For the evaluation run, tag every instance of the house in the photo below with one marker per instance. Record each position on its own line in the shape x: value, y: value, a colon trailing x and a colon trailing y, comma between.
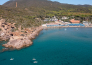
x: 73, y: 21
x: 64, y: 17
x: 44, y: 25
x: 46, y: 19
x: 86, y: 23
x: 54, y: 19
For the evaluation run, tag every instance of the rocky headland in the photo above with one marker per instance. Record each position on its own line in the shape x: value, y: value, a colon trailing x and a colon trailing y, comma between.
x: 17, y: 38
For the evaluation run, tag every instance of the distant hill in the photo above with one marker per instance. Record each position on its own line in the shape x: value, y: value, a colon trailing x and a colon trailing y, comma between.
x: 47, y: 4
x: 85, y: 5
x: 31, y: 3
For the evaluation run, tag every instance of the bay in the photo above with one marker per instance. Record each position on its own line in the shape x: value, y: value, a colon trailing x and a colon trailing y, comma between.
x: 54, y: 46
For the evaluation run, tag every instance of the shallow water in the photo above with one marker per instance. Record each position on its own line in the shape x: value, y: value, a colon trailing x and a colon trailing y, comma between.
x: 2, y: 42
x: 59, y: 46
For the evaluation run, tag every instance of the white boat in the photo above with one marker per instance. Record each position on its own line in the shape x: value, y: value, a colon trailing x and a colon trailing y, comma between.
x: 33, y: 59
x: 35, y: 62
x: 12, y: 59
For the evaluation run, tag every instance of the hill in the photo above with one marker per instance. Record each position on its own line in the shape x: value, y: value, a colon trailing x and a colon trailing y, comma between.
x: 28, y: 10
x: 46, y: 5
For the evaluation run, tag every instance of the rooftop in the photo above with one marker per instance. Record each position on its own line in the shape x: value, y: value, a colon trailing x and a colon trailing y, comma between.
x: 74, y: 21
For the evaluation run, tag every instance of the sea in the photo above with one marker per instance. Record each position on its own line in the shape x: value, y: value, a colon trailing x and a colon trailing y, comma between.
x: 53, y: 46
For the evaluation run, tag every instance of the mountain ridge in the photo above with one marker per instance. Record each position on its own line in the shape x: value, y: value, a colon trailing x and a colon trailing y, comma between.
x: 46, y: 4
x: 12, y: 2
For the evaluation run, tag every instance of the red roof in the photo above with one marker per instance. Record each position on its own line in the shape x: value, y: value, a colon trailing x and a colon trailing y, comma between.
x: 74, y: 21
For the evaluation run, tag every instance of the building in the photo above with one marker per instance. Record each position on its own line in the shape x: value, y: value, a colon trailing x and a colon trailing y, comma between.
x: 73, y: 21
x: 65, y: 17
x: 44, y: 25
x: 86, y: 23
x: 54, y: 19
x: 46, y: 19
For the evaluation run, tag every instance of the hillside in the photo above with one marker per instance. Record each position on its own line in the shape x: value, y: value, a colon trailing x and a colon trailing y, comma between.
x: 28, y: 10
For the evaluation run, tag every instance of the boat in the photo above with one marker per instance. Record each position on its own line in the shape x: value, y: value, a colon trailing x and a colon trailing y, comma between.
x: 33, y: 59
x: 12, y: 59
x: 35, y: 62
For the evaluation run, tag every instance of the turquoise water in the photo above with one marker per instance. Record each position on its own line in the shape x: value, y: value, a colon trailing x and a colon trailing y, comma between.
x: 59, y: 46
x: 2, y: 42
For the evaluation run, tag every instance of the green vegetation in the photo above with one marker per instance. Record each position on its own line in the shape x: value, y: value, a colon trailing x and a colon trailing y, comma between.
x: 29, y: 13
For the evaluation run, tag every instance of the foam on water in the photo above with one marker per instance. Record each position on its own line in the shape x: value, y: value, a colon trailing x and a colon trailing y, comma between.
x: 54, y: 47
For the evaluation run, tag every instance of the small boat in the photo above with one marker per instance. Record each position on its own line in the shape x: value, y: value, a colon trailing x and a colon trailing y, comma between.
x: 35, y: 62
x: 12, y: 59
x: 33, y: 59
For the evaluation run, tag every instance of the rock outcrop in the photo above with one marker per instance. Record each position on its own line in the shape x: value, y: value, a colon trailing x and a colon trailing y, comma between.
x: 6, y: 29
x: 18, y: 43
x: 19, y: 38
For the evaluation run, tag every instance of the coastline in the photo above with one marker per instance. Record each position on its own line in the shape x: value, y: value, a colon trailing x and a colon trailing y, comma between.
x: 68, y: 26
x: 21, y: 42
x: 19, y: 39
x: 55, y: 25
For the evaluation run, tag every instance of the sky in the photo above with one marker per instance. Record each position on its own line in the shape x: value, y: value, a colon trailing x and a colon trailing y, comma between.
x: 3, y: 1
x: 75, y: 2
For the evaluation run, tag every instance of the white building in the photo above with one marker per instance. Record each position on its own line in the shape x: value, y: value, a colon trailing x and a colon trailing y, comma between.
x: 86, y: 23
x: 44, y: 25
x: 46, y: 19
x: 54, y: 19
x: 65, y: 17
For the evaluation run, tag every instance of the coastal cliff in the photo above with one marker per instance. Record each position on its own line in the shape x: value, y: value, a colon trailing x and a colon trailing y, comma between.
x: 19, y: 38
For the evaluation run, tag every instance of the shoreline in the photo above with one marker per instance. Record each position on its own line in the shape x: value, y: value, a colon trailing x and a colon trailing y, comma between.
x: 17, y: 39
x: 69, y: 27
x: 55, y: 25
x: 22, y: 42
